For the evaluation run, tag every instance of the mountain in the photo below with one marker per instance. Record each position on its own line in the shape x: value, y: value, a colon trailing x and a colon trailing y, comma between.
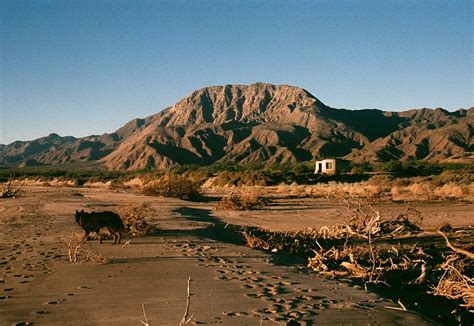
x: 54, y: 149
x: 259, y: 123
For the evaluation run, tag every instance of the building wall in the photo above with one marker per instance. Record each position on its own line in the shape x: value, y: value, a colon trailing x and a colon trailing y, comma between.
x: 331, y: 166
x: 327, y: 166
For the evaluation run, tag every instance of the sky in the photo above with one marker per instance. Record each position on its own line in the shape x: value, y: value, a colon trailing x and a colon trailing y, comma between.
x: 88, y: 67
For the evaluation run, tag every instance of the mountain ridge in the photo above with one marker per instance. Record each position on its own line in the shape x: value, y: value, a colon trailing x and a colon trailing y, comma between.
x: 259, y: 123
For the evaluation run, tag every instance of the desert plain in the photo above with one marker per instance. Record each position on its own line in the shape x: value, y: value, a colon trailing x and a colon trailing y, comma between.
x: 146, y: 279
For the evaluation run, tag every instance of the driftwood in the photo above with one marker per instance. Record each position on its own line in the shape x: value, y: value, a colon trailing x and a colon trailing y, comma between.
x: 466, y: 253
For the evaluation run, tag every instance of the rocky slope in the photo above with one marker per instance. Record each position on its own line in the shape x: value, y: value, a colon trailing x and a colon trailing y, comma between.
x: 259, y: 123
x: 54, y: 149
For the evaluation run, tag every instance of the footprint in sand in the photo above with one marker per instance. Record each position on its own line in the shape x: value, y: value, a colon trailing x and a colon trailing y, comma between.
x: 255, y: 295
x: 277, y: 308
x: 235, y: 314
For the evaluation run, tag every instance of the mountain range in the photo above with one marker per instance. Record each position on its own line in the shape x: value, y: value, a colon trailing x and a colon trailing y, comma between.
x: 244, y: 124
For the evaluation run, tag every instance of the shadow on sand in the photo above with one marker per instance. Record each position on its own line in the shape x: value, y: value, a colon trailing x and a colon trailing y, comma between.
x: 217, y: 230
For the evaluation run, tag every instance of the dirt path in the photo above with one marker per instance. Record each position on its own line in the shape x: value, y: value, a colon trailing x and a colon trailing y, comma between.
x: 231, y: 284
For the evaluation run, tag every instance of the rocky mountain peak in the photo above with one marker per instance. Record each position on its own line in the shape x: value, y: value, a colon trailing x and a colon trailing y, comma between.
x: 259, y: 101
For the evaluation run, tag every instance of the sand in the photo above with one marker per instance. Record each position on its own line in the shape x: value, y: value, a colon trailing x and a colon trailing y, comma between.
x: 230, y: 283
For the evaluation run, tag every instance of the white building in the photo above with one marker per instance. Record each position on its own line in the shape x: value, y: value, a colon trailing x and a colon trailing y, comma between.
x: 331, y: 166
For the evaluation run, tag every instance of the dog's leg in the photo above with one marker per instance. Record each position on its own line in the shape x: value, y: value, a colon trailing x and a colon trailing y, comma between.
x: 112, y: 231
x: 86, y: 235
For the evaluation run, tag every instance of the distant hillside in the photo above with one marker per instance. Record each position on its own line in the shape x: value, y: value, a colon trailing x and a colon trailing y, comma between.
x: 54, y: 149
x: 259, y: 123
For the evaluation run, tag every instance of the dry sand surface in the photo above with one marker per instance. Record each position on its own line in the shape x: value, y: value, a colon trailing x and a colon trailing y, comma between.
x: 230, y: 283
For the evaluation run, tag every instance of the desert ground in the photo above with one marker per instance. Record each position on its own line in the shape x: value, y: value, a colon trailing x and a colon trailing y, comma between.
x: 146, y: 279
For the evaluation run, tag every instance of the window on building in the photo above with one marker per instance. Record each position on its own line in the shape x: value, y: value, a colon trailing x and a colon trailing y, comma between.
x: 329, y: 166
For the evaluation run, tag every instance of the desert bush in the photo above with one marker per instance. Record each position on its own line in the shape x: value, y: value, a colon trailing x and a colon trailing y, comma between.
x: 380, y: 180
x: 139, y: 219
x: 78, y: 250
x: 422, y: 190
x: 242, y: 201
x: 11, y: 188
x: 360, y: 168
x: 461, y: 178
x: 175, y: 186
x: 450, y: 191
x: 117, y: 184
x: 333, y: 189
x: 392, y: 167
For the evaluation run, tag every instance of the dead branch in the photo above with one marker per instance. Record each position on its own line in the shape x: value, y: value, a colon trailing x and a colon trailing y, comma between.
x: 185, y: 320
x: 145, y: 323
x: 466, y: 253
x: 402, y: 305
x: 421, y: 279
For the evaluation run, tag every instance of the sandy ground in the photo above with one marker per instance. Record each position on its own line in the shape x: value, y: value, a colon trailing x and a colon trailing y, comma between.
x: 296, y: 214
x: 230, y: 283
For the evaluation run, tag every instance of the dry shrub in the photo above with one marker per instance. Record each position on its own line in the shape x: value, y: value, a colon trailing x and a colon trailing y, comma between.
x: 175, y: 186
x: 356, y: 189
x: 117, y: 184
x: 450, y: 191
x: 242, y: 201
x: 255, y: 242
x: 242, y: 178
x: 423, y: 190
x: 12, y: 188
x: 294, y: 190
x: 363, y: 249
x: 138, y: 218
x: 429, y: 191
x: 454, y: 284
x: 79, y: 252
x: 364, y: 220
x: 460, y: 178
x: 397, y: 191
x: 380, y: 180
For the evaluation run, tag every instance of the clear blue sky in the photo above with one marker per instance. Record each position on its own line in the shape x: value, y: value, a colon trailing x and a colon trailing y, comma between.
x: 87, y: 67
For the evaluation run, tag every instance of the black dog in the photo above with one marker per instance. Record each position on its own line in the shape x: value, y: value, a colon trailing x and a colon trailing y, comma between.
x: 93, y: 222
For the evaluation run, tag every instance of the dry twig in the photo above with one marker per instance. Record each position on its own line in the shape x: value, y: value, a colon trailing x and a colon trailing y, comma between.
x: 145, y: 323
x: 185, y: 320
